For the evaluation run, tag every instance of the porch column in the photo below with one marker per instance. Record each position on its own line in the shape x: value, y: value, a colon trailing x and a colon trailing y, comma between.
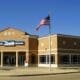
x: 27, y: 59
x: 16, y: 58
x: 1, y: 58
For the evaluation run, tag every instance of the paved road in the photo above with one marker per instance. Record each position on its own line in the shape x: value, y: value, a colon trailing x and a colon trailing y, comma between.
x: 72, y: 76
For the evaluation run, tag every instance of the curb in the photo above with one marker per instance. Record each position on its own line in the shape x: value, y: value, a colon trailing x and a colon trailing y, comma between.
x: 38, y: 74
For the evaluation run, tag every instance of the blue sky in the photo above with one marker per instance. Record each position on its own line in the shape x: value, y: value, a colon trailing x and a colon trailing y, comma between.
x: 26, y: 15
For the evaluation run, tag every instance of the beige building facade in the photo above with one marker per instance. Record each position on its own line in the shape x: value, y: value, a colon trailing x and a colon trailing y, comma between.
x: 65, y: 51
x: 18, y: 48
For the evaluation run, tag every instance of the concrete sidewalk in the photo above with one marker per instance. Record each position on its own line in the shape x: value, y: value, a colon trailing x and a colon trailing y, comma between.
x: 34, y: 71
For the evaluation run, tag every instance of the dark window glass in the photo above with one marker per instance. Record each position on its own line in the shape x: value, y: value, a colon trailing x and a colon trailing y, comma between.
x: 43, y: 59
x: 64, y: 59
x: 74, y: 59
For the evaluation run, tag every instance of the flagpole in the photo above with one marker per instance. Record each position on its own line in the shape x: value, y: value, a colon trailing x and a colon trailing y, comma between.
x: 46, y: 21
x: 50, y: 45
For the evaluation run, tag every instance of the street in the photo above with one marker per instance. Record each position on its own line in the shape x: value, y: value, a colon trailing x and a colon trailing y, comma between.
x: 73, y: 76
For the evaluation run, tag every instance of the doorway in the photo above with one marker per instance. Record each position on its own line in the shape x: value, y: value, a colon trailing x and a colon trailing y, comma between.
x: 9, y: 58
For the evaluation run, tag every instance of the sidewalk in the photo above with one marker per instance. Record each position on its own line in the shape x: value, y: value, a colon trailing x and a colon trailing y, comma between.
x: 34, y: 71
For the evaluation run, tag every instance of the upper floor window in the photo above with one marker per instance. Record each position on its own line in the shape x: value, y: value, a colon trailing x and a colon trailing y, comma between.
x: 8, y: 33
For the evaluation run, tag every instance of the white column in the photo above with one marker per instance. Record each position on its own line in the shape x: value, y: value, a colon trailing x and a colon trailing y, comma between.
x: 16, y: 58
x: 26, y: 60
x: 1, y: 59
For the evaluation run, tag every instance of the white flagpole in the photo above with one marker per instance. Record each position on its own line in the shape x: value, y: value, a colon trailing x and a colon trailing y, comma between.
x: 50, y: 46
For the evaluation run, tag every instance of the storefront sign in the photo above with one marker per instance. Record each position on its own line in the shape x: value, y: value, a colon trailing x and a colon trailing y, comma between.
x: 11, y: 43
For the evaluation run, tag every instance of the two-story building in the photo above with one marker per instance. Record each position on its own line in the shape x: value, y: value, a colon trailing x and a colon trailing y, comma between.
x: 18, y: 47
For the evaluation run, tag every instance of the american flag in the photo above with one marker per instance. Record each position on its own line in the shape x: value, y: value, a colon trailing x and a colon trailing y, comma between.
x: 45, y: 21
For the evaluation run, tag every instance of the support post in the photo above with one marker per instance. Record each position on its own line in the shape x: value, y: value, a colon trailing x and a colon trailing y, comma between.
x: 26, y: 60
x: 1, y: 59
x: 49, y: 46
x: 16, y: 58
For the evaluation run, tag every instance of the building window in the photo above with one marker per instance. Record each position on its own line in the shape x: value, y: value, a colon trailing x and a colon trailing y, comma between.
x: 52, y: 59
x: 78, y: 56
x: 9, y: 33
x: 75, y: 59
x: 64, y: 59
x: 44, y: 59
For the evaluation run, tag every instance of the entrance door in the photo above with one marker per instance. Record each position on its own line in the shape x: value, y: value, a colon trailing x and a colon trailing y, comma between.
x: 9, y: 59
x: 12, y: 60
x: 21, y: 59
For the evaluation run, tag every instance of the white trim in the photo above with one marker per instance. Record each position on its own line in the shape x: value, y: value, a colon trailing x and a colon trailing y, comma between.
x: 47, y: 65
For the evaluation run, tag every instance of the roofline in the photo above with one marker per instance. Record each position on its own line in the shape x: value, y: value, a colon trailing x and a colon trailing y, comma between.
x: 33, y: 36
x: 14, y: 28
x: 69, y: 36
x: 36, y: 36
x: 61, y: 35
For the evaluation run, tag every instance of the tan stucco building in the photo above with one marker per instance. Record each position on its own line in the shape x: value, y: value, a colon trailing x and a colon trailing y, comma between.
x: 18, y: 48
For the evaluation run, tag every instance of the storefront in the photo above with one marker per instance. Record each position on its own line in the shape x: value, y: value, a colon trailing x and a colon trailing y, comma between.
x: 15, y: 49
x: 18, y: 48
